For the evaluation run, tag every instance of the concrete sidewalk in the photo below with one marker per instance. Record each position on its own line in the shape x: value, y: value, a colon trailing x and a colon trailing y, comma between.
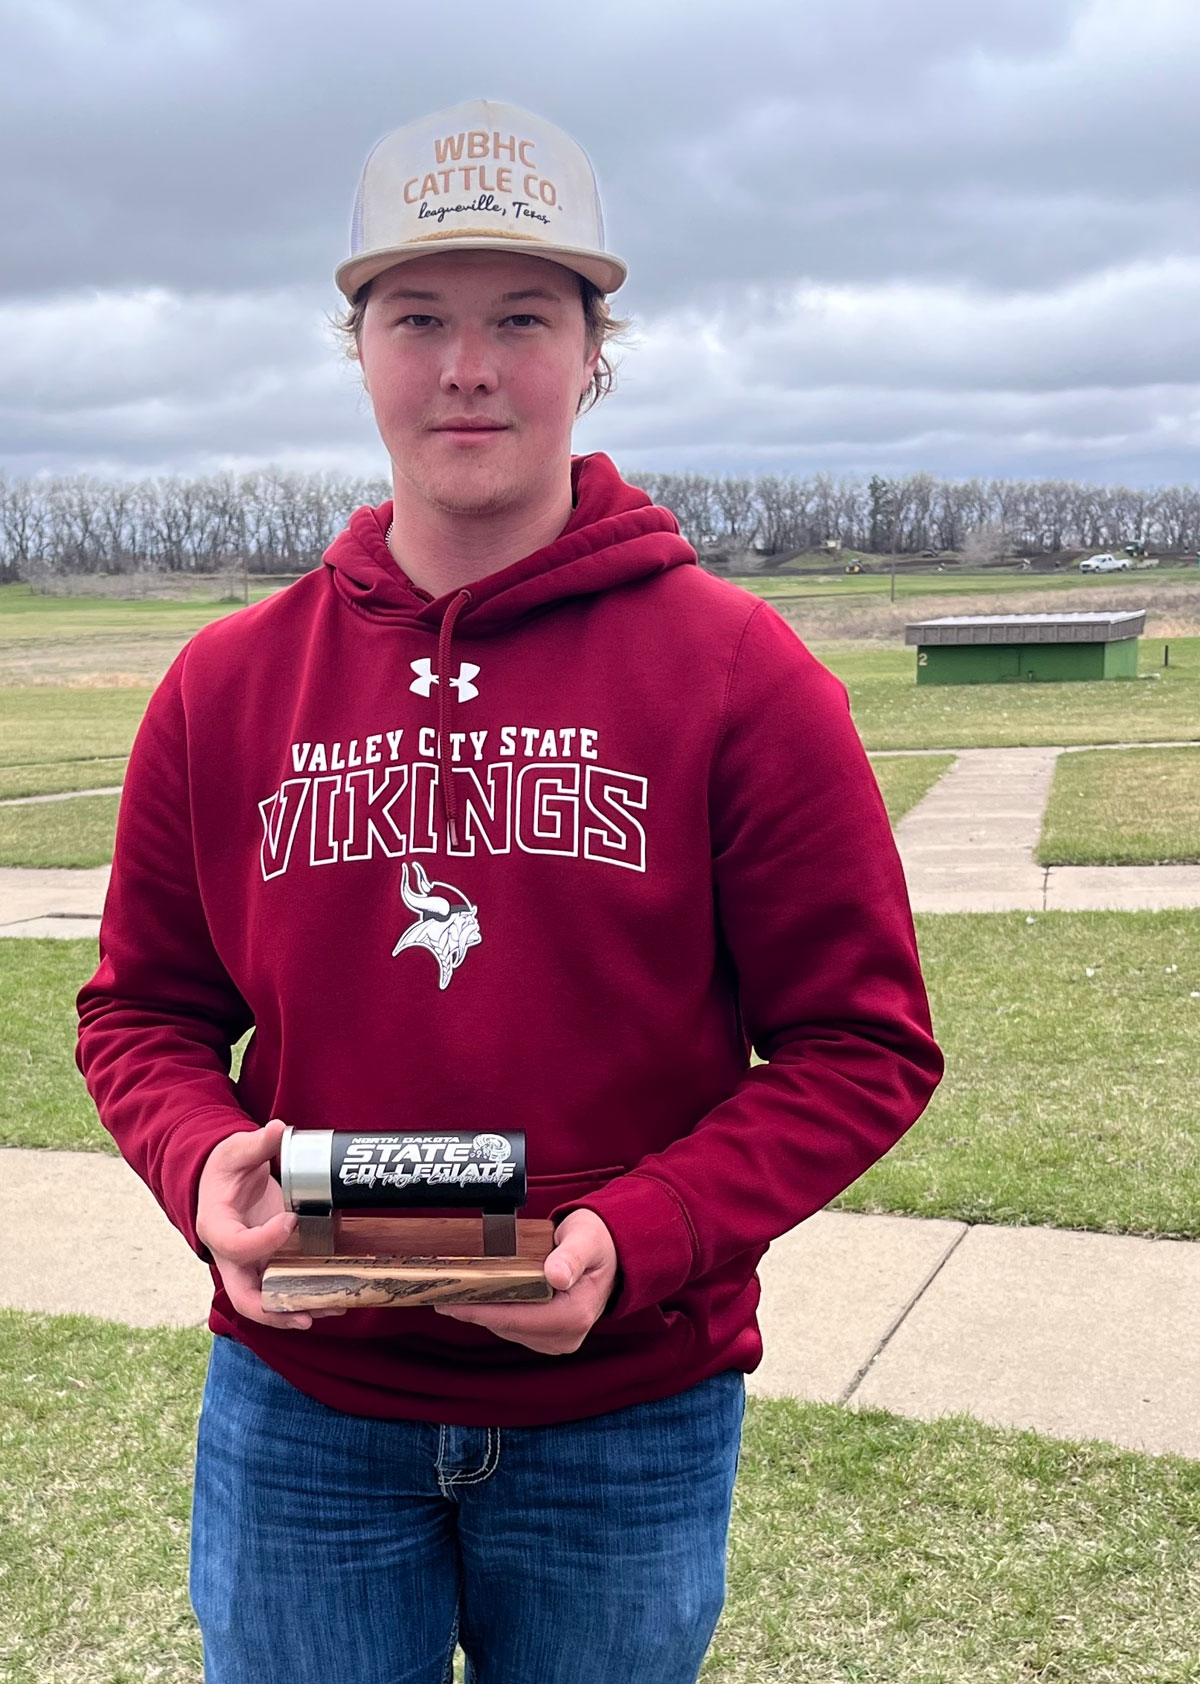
x: 51, y: 902
x: 1075, y: 1335
x: 968, y: 846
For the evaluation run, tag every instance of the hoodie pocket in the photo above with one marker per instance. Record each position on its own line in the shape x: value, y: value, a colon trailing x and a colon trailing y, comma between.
x: 546, y: 1193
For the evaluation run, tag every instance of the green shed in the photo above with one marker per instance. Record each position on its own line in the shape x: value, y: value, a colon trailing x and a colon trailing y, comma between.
x: 1020, y: 648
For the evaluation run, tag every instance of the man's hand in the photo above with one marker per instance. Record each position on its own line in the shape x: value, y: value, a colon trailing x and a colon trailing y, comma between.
x: 581, y: 1269
x: 241, y: 1219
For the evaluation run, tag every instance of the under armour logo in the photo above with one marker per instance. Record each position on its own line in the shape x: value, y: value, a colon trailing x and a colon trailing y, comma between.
x: 425, y: 680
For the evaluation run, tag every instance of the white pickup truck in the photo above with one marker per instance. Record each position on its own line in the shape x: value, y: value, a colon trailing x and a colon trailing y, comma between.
x: 1106, y: 564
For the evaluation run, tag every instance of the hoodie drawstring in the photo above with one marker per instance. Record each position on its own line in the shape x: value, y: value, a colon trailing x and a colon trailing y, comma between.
x: 445, y: 714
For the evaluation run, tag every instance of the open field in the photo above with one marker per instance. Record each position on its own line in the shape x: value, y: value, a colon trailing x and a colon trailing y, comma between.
x: 955, y: 581
x: 1123, y: 807
x: 1069, y: 1099
x: 49, y: 732
x: 95, y: 661
x: 913, y: 578
x: 83, y: 640
x: 1163, y: 705
x: 1172, y: 608
x: 863, y: 1546
x: 54, y: 777
x: 44, y: 728
x: 1069, y: 1095
x: 904, y: 780
x: 98, y: 640
x: 78, y: 832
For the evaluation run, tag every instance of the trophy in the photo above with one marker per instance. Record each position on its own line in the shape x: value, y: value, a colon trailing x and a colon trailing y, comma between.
x: 364, y: 1238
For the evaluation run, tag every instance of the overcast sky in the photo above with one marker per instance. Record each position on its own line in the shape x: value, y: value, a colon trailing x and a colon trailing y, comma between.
x: 863, y: 235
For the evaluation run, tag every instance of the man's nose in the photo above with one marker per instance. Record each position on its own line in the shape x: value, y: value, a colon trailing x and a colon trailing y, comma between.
x: 469, y: 365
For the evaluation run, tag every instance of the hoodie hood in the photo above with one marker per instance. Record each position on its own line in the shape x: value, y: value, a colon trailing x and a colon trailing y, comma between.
x: 614, y: 536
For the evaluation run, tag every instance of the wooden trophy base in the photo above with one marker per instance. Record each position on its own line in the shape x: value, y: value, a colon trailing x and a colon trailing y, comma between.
x: 443, y: 1263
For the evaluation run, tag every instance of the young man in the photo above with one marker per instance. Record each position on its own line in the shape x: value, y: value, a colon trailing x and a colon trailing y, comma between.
x: 510, y: 703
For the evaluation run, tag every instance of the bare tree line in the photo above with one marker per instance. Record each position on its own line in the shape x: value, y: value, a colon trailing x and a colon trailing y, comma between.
x: 269, y: 521
x: 778, y: 515
x: 273, y: 521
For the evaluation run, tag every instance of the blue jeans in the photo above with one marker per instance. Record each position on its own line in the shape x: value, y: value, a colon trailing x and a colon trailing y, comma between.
x: 330, y: 1548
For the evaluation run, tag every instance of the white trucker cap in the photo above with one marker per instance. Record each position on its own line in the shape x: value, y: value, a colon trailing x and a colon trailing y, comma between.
x: 480, y: 176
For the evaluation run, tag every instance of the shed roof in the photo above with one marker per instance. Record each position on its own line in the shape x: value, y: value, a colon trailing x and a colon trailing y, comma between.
x: 1102, y: 627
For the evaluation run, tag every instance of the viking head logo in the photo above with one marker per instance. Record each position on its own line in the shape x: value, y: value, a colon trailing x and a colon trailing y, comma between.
x: 491, y: 1148
x: 446, y: 927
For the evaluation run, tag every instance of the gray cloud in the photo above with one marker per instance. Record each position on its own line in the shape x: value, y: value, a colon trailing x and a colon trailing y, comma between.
x: 862, y: 232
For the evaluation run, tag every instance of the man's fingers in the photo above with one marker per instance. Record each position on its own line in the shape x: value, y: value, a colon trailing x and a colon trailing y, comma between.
x: 581, y: 1243
x: 243, y: 1286
x: 232, y: 1238
x: 549, y: 1336
x: 250, y: 1147
x: 567, y: 1264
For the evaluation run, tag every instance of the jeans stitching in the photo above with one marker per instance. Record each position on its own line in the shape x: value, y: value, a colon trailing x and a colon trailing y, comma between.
x: 438, y: 1467
x: 487, y: 1468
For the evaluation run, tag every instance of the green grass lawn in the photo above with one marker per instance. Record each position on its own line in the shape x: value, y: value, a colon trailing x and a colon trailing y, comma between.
x: 892, y: 712
x: 956, y: 582
x: 44, y: 725
x: 78, y: 832
x: 25, y: 615
x: 1123, y: 807
x: 1069, y: 1099
x: 864, y: 1547
x: 52, y: 777
x: 46, y: 729
x: 906, y: 779
x: 43, y: 1101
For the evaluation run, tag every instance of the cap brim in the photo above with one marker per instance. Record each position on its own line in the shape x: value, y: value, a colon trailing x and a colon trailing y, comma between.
x: 601, y: 268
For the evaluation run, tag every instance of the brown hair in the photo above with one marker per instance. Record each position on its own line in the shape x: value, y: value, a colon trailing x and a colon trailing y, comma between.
x: 600, y: 328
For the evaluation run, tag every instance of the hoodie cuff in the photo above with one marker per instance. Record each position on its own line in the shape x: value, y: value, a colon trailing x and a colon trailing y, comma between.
x: 182, y: 1160
x: 652, y: 1234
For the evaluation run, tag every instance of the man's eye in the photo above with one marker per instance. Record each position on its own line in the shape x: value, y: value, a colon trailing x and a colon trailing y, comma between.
x: 416, y: 321
x: 522, y: 319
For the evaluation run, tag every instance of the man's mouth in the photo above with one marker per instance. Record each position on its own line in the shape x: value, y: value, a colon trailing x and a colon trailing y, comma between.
x: 467, y: 424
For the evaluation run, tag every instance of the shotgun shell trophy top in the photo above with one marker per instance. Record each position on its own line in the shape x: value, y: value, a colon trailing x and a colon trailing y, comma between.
x: 480, y: 175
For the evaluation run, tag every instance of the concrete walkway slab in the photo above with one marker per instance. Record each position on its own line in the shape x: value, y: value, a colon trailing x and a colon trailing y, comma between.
x: 1130, y: 888
x: 972, y: 837
x: 27, y: 893
x: 1075, y: 1335
x: 1023, y: 896
x: 81, y: 1234
x: 59, y: 795
x: 58, y: 927
x: 833, y: 1290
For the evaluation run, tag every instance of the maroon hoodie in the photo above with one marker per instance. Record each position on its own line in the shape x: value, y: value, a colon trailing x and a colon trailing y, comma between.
x: 668, y: 846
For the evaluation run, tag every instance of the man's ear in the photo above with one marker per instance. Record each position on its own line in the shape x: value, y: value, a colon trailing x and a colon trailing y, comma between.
x: 589, y: 369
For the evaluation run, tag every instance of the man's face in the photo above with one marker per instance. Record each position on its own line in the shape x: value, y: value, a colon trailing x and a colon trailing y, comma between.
x: 475, y: 362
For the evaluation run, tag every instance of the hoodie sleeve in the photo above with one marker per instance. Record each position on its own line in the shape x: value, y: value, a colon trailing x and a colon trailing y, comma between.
x: 159, y: 1018
x: 813, y: 907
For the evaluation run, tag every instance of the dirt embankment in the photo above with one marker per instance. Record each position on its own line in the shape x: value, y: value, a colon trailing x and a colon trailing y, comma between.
x: 1171, y: 610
